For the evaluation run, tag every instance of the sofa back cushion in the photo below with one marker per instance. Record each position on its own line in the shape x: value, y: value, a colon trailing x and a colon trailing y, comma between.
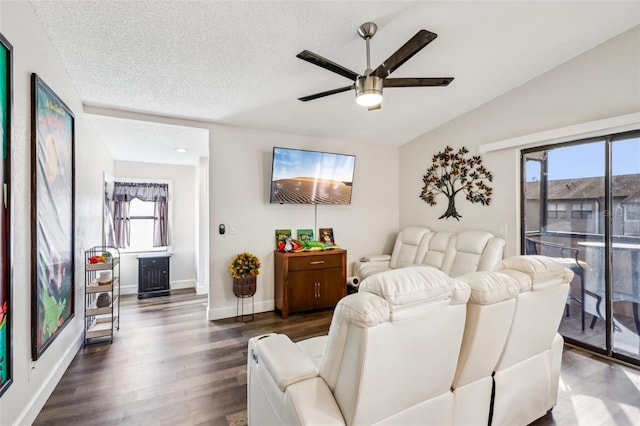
x: 539, y: 307
x: 433, y: 250
x: 489, y: 314
x: 407, y: 246
x: 471, y: 251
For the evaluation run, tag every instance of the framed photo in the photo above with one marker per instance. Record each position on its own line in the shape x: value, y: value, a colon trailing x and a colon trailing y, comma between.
x: 305, y: 234
x: 281, y: 237
x: 325, y: 235
x: 6, y: 118
x: 52, y: 216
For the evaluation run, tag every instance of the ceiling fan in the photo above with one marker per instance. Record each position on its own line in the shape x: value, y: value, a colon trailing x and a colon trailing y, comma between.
x: 369, y: 85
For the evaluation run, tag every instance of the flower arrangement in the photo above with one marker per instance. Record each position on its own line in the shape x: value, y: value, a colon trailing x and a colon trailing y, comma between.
x: 245, y: 265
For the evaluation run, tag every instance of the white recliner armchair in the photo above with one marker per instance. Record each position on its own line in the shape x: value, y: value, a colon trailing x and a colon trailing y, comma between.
x: 371, y: 368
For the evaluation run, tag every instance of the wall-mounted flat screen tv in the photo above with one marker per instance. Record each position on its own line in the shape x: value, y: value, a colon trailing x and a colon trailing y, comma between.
x: 311, y: 177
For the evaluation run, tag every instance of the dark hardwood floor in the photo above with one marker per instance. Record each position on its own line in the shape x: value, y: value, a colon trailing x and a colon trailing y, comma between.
x: 168, y: 365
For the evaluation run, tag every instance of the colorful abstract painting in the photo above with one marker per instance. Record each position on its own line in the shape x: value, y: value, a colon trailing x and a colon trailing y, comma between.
x: 5, y: 242
x: 52, y: 221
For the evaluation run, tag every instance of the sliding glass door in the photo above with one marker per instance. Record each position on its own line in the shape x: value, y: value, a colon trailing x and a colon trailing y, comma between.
x: 625, y: 244
x: 581, y: 204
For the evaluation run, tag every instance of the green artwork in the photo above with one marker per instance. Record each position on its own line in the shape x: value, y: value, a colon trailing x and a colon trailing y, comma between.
x: 5, y: 136
x: 52, y: 139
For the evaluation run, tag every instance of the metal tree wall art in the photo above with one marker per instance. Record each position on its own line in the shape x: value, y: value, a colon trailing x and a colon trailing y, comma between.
x: 451, y: 173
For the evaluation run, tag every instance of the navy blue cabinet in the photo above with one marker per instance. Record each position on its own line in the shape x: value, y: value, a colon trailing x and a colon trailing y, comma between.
x: 153, y: 275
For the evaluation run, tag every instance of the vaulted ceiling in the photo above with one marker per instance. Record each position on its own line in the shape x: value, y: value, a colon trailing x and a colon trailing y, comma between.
x: 234, y: 62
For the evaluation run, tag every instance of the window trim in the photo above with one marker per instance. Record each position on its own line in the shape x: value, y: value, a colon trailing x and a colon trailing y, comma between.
x: 558, y: 136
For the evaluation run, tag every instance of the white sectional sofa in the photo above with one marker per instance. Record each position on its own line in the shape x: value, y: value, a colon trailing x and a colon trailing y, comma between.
x: 417, y: 347
x: 453, y: 253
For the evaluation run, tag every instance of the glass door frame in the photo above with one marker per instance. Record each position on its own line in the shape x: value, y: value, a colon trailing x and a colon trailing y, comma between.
x: 608, y: 140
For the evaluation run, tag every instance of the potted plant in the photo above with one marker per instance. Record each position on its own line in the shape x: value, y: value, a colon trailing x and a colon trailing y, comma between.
x: 244, y: 268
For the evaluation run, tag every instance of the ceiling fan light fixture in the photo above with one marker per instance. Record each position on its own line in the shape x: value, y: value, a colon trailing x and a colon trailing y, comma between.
x: 369, y: 90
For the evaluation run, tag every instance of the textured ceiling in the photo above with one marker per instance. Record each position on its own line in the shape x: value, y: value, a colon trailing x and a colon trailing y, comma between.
x: 150, y: 142
x: 234, y: 62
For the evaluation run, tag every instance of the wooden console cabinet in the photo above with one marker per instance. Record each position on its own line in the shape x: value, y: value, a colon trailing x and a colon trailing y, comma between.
x: 309, y: 280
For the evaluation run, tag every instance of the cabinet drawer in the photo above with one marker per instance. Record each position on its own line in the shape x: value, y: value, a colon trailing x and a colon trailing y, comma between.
x: 154, y: 261
x: 304, y: 263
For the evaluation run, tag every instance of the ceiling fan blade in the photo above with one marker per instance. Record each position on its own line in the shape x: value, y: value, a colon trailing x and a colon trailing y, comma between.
x: 327, y: 93
x: 402, y: 55
x: 327, y: 64
x: 417, y: 82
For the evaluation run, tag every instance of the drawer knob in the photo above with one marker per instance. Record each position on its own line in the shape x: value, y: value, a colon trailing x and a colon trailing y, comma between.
x: 316, y: 262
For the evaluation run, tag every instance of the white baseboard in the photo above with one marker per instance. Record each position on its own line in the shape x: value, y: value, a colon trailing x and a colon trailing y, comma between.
x: 128, y: 289
x: 40, y: 397
x: 230, y: 311
x: 175, y: 285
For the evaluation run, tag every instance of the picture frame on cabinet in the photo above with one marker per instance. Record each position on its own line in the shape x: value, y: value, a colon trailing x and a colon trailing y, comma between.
x: 305, y: 234
x: 6, y: 120
x: 325, y: 235
x: 281, y: 237
x: 52, y: 215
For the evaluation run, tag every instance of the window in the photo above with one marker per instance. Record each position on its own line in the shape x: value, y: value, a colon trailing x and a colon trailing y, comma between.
x: 140, y: 215
x: 581, y: 210
x: 632, y: 211
x: 556, y: 210
x: 141, y: 225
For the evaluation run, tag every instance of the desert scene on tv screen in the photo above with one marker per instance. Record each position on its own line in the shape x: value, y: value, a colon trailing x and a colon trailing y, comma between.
x: 308, y: 190
x: 311, y: 177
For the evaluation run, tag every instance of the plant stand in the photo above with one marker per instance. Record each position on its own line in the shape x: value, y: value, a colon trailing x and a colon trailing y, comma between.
x: 240, y: 315
x: 244, y: 288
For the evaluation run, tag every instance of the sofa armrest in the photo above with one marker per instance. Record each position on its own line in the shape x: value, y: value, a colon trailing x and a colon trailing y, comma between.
x: 284, y: 360
x: 376, y: 258
x: 312, y: 404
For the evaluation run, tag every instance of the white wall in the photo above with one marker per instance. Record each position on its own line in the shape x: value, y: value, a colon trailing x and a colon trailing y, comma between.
x: 34, y: 381
x: 603, y: 82
x: 182, y: 215
x: 240, y: 172
x: 202, y: 236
